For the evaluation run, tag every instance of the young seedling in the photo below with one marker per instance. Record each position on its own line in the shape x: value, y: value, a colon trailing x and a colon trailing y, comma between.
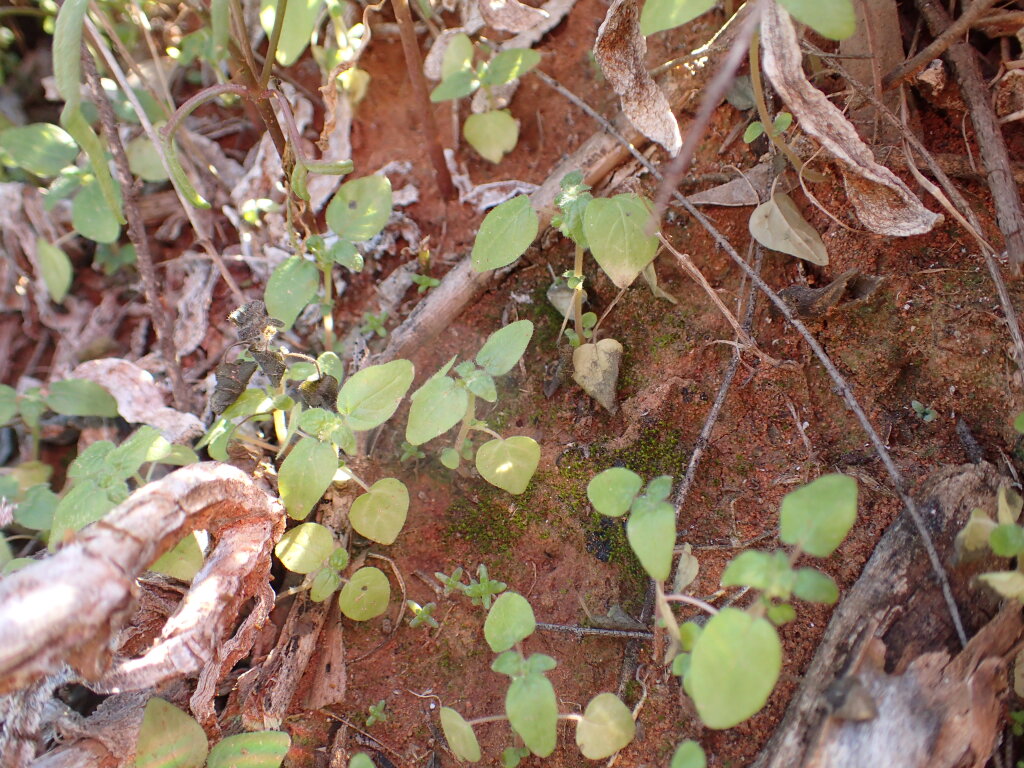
x: 479, y: 590
x: 376, y: 714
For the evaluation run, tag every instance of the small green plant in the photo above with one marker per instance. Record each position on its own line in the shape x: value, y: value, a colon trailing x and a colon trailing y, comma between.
x: 731, y: 663
x: 480, y: 590
x: 493, y: 133
x: 531, y: 707
x: 376, y: 714
x: 422, y: 615
x: 780, y: 125
x: 926, y: 413
x: 375, y: 324
x: 1003, y: 536
x: 425, y: 283
x: 444, y: 401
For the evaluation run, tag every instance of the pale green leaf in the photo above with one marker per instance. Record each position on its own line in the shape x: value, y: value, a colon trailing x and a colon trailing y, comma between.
x: 81, y: 397
x: 689, y: 754
x: 304, y: 548
x: 460, y: 736
x: 44, y: 149
x: 361, y: 208
x: 299, y: 22
x: 779, y: 225
x: 504, y: 348
x: 492, y: 134
x: 458, y: 56
x: 305, y: 476
x: 92, y: 216
x: 8, y: 403
x: 55, y: 269
x: 455, y: 86
x: 834, y: 19
x: 371, y: 396
x: 505, y: 234
x: 734, y: 667
x: 509, y: 621
x: 290, y: 288
x: 508, y: 464
x: 263, y: 749
x: 607, y: 726
x: 659, y: 15
x: 612, y: 492
x: 1009, y: 584
x: 380, y: 513
x: 436, y: 407
x: 615, y: 230
x: 533, y: 712
x: 365, y: 595
x: 815, y: 587
x: 183, y: 561
x: 651, y: 532
x: 510, y: 65
x: 325, y: 584
x: 144, y: 159
x: 818, y: 516
x: 169, y: 738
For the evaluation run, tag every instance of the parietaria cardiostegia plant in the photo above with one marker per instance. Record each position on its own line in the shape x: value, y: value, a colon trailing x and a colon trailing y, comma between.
x: 731, y: 663
x: 531, y: 707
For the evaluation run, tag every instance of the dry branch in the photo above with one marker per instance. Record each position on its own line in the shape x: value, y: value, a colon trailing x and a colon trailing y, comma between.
x: 71, y: 607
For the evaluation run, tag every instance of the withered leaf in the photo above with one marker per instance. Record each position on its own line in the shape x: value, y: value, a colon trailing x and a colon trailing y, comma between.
x: 621, y: 51
x: 255, y: 327
x: 510, y: 15
x: 232, y: 379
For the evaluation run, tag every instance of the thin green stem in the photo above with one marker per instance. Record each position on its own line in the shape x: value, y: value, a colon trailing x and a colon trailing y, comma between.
x: 328, y: 307
x: 467, y: 423
x: 488, y: 719
x: 275, y: 37
x: 577, y: 294
x: 196, y: 101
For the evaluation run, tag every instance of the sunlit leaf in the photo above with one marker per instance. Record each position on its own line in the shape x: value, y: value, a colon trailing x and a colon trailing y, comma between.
x: 55, y: 269
x: 365, y: 595
x: 81, y: 397
x: 834, y: 19
x: 40, y: 148
x: 436, y: 407
x: 492, y: 134
x: 371, y: 396
x: 505, y: 347
x: 505, y: 234
x: 291, y: 287
x: 299, y: 21
x: 169, y: 738
x: 304, y: 548
x: 689, y: 754
x: 183, y: 561
x: 305, y: 476
x: 612, y: 492
x: 380, y: 513
x: 818, y: 516
x: 508, y: 464
x: 509, y: 621
x: 460, y: 735
x: 615, y: 230
x: 360, y: 208
x: 263, y: 749
x: 510, y: 65
x: 659, y: 15
x: 607, y: 726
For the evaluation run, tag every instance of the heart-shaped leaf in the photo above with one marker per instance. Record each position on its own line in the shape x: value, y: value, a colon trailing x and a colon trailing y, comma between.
x: 508, y: 464
x: 612, y: 492
x: 380, y: 513
x: 596, y: 370
x: 169, y: 738
x: 305, y: 547
x: 615, y: 230
x: 365, y: 595
x: 779, y: 225
x: 509, y: 621
x: 607, y: 726
x: 371, y: 396
x: 492, y: 134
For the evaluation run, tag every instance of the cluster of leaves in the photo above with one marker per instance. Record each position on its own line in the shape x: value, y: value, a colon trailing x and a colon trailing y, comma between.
x: 834, y: 19
x: 1003, y: 536
x: 531, y: 706
x: 731, y: 663
x: 493, y: 133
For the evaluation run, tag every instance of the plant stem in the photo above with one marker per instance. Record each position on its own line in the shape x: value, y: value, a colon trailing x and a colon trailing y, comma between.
x: 488, y: 719
x: 577, y: 294
x: 419, y: 90
x: 275, y: 37
x: 467, y: 422
x: 694, y: 601
x: 328, y: 307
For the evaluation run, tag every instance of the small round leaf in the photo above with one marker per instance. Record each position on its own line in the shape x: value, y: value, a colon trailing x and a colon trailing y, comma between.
x: 361, y: 208
x: 380, y: 513
x: 264, y: 749
x: 689, y: 754
x: 612, y: 492
x: 325, y: 583
x: 818, y: 516
x: 291, y: 286
x: 509, y: 621
x: 492, y: 134
x: 460, y: 735
x: 169, y: 738
x: 607, y: 726
x: 365, y: 595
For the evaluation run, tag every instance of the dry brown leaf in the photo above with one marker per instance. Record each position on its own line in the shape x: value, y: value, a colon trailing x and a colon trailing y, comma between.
x: 139, y: 399
x: 621, y: 51
x: 510, y: 15
x: 883, y: 203
x: 193, y: 318
x: 596, y: 370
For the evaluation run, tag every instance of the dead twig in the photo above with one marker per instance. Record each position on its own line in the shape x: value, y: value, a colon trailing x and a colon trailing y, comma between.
x: 161, y: 314
x: 580, y: 632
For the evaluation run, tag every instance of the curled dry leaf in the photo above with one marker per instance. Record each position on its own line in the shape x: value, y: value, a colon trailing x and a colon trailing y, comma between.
x: 510, y: 15
x: 621, y: 51
x: 779, y: 225
x: 596, y: 370
x: 139, y: 399
x: 193, y: 316
x: 882, y: 201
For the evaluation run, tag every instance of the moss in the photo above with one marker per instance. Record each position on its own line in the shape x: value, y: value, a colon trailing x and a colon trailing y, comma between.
x: 492, y: 521
x: 659, y: 450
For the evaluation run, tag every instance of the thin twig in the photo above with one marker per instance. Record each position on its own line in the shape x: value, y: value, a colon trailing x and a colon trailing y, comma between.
x: 627, y: 634
x: 939, y: 45
x: 162, y: 320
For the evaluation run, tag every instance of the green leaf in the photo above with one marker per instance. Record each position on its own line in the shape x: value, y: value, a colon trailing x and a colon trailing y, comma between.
x: 371, y: 396
x: 509, y: 621
x: 504, y: 348
x: 81, y: 397
x: 290, y: 288
x: 780, y: 613
x: 169, y: 738
x: 505, y: 234
x: 689, y: 754
x: 782, y: 122
x: 436, y: 407
x: 450, y: 458
x: 612, y: 492
x: 299, y: 22
x: 753, y: 132
x: 361, y: 208
x: 304, y: 548
x: 35, y: 511
x: 144, y: 159
x: 1007, y: 540
x: 769, y: 572
x: 1018, y: 423
x: 44, y: 149
x: 492, y: 134
x: 325, y: 584
x: 1009, y: 584
x: 85, y: 503
x: 305, y: 475
x: 778, y: 224
x: 572, y: 202
x: 183, y: 561
x: 455, y: 86
x: 91, y: 214
x: 508, y: 464
x: 479, y: 382
x: 331, y: 365
x: 815, y: 587
x: 533, y: 712
x: 55, y: 269
x: 509, y: 65
x: 362, y: 760
x: 734, y: 667
x: 651, y: 532
x: 265, y: 749
x: 365, y: 595
x: 833, y: 19
x: 1008, y: 505
x: 818, y: 516
x: 607, y: 726
x: 380, y: 513
x: 8, y: 403
x: 614, y: 228
x: 659, y: 15
x: 460, y: 735
x: 458, y: 56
